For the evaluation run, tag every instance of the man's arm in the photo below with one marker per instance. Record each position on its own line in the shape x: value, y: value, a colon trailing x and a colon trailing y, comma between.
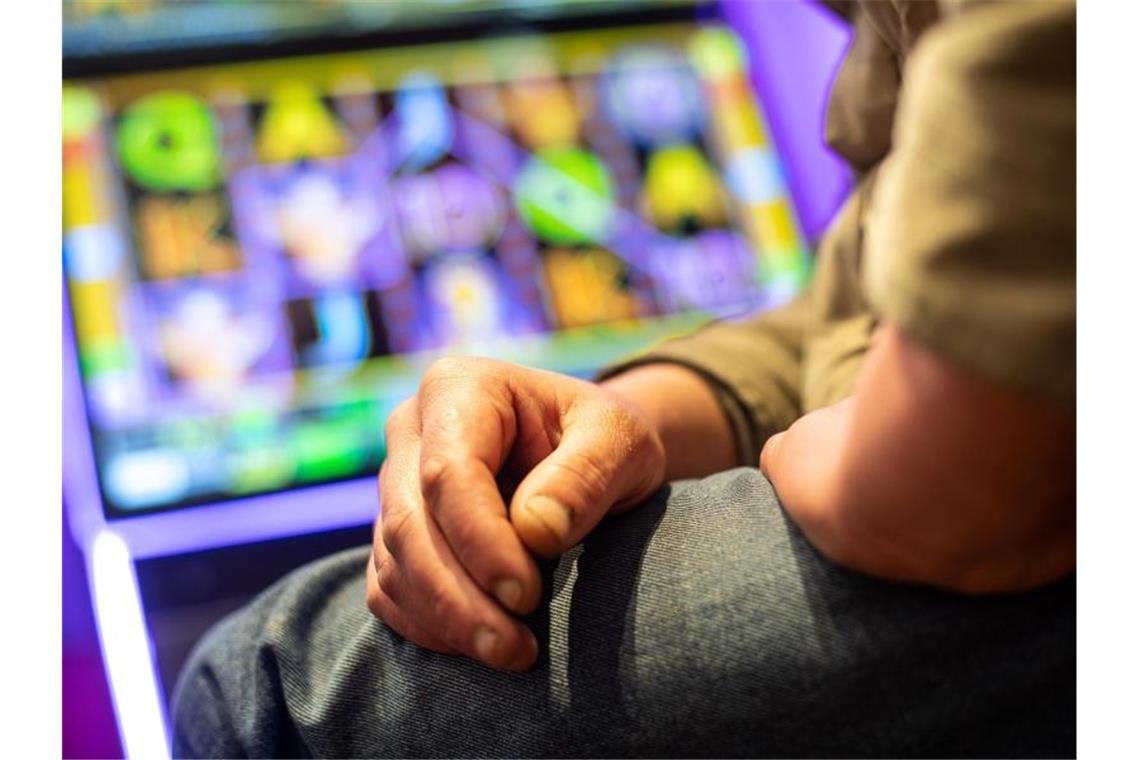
x: 933, y: 474
x: 953, y: 462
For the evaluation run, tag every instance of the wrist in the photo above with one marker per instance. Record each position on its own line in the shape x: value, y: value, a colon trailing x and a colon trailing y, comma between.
x: 683, y: 411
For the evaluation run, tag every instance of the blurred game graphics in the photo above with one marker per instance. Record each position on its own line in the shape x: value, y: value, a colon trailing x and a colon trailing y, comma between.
x: 263, y: 253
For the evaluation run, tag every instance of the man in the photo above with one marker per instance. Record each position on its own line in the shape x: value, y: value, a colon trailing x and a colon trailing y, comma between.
x: 910, y: 592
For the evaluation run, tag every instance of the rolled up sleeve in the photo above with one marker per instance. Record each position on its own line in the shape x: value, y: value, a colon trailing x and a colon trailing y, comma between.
x: 971, y: 241
x: 753, y: 366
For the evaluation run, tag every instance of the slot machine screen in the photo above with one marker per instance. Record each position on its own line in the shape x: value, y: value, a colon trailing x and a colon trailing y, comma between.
x: 262, y: 257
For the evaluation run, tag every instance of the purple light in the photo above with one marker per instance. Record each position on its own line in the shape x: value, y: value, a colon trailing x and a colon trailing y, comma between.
x: 80, y: 482
x: 126, y: 648
x: 794, y: 49
x: 291, y: 513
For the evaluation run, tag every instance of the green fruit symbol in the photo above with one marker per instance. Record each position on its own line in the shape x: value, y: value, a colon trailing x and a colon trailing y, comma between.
x: 565, y: 196
x: 167, y: 142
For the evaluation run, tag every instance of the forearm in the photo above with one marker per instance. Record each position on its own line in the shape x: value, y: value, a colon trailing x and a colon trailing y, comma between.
x: 687, y: 415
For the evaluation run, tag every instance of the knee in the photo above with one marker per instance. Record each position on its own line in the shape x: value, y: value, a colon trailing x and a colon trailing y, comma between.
x: 201, y: 711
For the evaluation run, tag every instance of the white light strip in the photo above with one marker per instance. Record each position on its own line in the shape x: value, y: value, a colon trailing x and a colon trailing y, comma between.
x: 126, y: 649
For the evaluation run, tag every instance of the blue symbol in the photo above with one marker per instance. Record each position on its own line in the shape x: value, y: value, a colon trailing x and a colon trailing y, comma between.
x: 425, y: 126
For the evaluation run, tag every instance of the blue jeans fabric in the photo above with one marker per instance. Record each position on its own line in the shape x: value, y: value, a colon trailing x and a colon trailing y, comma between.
x: 699, y: 624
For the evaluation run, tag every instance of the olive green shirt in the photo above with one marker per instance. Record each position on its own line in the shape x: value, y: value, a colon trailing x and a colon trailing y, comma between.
x: 960, y: 122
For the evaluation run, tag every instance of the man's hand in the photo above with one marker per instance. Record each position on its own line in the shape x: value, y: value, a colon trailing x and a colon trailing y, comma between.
x: 451, y: 562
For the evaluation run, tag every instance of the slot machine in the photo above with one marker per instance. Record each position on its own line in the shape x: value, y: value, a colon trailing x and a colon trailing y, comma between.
x: 277, y: 216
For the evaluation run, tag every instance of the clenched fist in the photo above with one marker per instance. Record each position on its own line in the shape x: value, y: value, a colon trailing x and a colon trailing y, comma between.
x: 487, y: 464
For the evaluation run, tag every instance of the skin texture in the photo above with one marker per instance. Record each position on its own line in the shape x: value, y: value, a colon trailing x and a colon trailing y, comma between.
x: 928, y: 474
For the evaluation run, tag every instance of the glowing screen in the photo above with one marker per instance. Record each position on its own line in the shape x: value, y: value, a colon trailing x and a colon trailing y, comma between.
x: 262, y: 257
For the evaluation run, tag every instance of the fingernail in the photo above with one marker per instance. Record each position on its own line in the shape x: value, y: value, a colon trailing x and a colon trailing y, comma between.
x: 485, y: 642
x: 550, y: 513
x: 526, y: 657
x: 509, y: 592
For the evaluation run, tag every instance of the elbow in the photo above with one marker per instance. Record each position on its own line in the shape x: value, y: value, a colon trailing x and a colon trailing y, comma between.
x: 1010, y: 569
x: 936, y: 548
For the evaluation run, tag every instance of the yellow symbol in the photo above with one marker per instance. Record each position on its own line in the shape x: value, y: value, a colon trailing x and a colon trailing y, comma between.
x: 772, y: 225
x: 298, y: 125
x: 717, y: 53
x: 738, y: 126
x: 95, y: 307
x: 81, y: 112
x: 681, y: 187
x: 82, y: 9
x: 81, y: 205
x: 180, y: 238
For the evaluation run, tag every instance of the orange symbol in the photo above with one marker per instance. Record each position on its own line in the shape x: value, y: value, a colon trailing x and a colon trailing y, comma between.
x: 181, y: 237
x: 585, y: 287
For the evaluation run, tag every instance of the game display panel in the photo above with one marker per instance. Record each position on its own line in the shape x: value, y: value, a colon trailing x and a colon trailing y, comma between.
x: 262, y: 257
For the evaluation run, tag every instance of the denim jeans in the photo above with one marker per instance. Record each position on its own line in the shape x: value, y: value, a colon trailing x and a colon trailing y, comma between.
x: 701, y: 623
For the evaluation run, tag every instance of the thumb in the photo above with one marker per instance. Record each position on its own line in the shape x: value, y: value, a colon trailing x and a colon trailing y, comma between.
x: 597, y: 466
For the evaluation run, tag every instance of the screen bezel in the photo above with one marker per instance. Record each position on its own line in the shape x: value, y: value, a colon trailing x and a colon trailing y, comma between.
x: 503, y: 22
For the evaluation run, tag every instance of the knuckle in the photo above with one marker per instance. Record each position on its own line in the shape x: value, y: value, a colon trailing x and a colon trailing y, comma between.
x: 397, y: 419
x: 448, y: 370
x: 377, y: 600
x: 387, y: 577
x: 435, y: 471
x: 591, y: 469
x: 373, y: 599
x: 445, y: 614
x: 394, y: 529
x: 463, y: 535
x: 439, y: 603
x: 445, y: 369
x: 392, y: 428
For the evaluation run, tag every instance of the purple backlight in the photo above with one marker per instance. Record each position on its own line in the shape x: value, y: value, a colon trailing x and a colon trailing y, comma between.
x: 795, y: 48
